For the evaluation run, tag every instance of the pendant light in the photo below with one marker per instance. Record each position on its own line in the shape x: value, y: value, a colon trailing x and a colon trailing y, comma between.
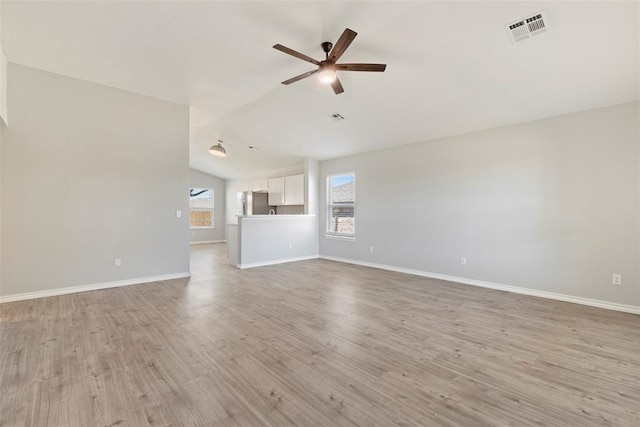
x: 218, y: 150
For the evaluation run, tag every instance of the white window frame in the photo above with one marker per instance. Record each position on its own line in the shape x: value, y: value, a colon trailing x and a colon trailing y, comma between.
x: 328, y: 232
x: 213, y: 220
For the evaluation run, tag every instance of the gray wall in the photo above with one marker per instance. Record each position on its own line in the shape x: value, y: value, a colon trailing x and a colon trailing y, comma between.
x: 273, y: 239
x: 550, y: 205
x: 90, y: 173
x: 204, y: 180
x: 3, y: 79
x: 312, y: 185
x: 1, y: 145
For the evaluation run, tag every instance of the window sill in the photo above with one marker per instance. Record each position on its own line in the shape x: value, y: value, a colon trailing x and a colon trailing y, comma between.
x: 200, y: 228
x: 338, y: 237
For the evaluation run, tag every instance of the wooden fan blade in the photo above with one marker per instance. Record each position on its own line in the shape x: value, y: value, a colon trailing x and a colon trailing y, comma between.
x: 361, y: 67
x: 300, y: 77
x: 341, y: 45
x: 337, y: 86
x: 296, y: 54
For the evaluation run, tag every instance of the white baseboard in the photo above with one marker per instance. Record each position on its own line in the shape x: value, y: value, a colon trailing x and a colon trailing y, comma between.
x: 524, y: 291
x: 202, y: 242
x: 93, y: 287
x: 276, y: 261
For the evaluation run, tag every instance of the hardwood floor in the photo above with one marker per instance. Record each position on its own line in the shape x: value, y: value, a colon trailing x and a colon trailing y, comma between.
x: 314, y: 343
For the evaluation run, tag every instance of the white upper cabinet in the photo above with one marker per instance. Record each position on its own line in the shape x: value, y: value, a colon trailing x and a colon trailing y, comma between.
x: 294, y: 190
x: 276, y: 191
x: 260, y: 185
x: 288, y: 190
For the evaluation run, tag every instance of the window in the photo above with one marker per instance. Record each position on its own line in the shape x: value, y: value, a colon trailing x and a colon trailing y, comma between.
x: 201, y: 208
x: 341, y: 191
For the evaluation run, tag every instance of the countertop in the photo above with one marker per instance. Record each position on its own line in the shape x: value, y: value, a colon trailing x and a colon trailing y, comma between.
x: 275, y: 216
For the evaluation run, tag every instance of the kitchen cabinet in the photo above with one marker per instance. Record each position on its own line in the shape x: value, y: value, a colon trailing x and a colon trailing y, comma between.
x: 286, y: 191
x: 260, y: 185
x: 276, y: 191
x: 294, y: 190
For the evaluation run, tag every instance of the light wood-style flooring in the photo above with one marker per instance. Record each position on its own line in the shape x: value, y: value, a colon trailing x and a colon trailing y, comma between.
x: 314, y: 343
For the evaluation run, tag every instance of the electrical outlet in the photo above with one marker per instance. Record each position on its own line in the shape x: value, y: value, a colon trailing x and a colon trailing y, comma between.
x: 290, y: 245
x: 117, y: 262
x: 178, y: 214
x: 370, y: 249
x: 463, y: 260
x: 616, y: 279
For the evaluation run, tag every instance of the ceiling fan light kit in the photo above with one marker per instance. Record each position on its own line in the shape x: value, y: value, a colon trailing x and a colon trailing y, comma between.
x: 327, y: 74
x: 327, y: 68
x: 218, y: 150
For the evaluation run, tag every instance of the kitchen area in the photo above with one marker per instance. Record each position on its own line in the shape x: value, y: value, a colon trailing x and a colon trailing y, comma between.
x: 268, y: 197
x: 275, y: 220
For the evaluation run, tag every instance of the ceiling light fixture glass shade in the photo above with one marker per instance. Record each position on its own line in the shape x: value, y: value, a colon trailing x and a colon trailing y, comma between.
x: 327, y: 75
x: 218, y: 150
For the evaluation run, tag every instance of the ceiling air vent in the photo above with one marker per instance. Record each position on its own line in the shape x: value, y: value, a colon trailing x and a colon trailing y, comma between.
x: 528, y: 27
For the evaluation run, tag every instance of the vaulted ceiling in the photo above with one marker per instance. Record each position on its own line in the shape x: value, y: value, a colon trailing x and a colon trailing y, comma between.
x: 451, y: 67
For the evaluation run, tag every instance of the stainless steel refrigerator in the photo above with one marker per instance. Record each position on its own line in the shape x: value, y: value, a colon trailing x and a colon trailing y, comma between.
x: 255, y: 203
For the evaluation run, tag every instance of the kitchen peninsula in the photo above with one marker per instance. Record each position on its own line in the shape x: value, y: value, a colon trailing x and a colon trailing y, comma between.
x: 292, y: 234
x: 258, y: 240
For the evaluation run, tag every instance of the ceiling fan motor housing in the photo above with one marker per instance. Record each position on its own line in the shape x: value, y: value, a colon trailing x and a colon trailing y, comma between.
x: 326, y: 47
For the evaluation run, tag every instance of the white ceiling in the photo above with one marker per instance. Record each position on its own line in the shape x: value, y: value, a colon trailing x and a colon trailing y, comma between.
x: 451, y: 67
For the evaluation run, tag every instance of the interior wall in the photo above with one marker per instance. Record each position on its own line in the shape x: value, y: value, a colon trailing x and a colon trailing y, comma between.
x: 218, y: 233
x: 3, y: 121
x: 312, y: 185
x: 550, y: 205
x: 1, y: 145
x: 277, y: 239
x: 4, y: 110
x: 237, y: 185
x: 4, y: 116
x: 89, y: 174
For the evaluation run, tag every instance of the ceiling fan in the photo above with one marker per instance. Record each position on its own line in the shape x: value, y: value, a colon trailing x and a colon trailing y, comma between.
x: 327, y: 68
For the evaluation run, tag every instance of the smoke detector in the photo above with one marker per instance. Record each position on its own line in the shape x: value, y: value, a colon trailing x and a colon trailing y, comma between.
x: 528, y: 27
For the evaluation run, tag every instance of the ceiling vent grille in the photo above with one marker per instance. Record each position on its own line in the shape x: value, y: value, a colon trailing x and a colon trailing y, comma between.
x: 528, y: 27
